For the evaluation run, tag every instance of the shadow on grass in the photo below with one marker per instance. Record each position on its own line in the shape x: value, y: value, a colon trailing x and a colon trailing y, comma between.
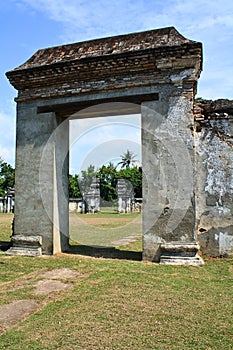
x: 4, y: 246
x: 104, y: 252
x: 94, y: 251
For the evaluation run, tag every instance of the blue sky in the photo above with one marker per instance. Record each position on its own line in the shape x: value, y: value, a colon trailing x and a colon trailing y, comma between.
x: 28, y: 25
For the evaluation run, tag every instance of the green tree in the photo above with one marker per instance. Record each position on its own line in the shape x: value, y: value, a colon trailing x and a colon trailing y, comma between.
x: 127, y: 159
x: 7, y: 177
x: 108, y: 179
x: 133, y: 175
x: 74, y: 191
x: 86, y: 178
x: 108, y: 175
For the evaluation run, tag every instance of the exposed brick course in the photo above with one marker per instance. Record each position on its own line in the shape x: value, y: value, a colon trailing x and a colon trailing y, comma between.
x: 119, y: 62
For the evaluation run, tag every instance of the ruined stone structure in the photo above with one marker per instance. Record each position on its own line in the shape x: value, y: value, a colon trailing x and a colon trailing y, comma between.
x: 214, y: 176
x: 7, y: 202
x: 125, y: 194
x: 92, y: 196
x: 154, y: 73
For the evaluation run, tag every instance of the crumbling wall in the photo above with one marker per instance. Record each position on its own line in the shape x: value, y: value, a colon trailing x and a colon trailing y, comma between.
x: 214, y: 176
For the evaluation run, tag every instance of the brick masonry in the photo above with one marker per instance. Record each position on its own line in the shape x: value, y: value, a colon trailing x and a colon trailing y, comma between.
x: 158, y: 70
x: 214, y: 176
x: 122, y: 62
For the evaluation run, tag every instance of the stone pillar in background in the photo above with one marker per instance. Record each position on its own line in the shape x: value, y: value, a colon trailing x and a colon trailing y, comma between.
x: 92, y: 197
x: 125, y: 194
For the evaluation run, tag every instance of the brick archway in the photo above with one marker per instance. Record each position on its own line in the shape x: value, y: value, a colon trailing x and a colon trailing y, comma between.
x: 154, y: 73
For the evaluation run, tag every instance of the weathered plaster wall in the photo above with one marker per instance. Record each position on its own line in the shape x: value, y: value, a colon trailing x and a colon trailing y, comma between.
x: 168, y: 158
x: 159, y: 69
x: 41, y: 187
x: 214, y: 176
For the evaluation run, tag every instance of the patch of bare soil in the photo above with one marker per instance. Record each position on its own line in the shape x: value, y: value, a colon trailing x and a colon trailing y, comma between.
x: 107, y: 220
x: 12, y: 313
x: 125, y: 240
x: 47, y: 286
x: 6, y: 218
x: 100, y: 221
x: 59, y: 273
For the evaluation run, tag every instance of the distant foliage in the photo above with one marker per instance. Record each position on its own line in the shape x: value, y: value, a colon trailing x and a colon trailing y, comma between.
x: 78, y: 184
x: 134, y: 175
x: 127, y: 159
x: 86, y: 178
x: 74, y: 191
x: 108, y: 175
x: 7, y: 177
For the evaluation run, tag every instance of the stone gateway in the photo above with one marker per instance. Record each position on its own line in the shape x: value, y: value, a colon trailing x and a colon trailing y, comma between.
x: 154, y: 73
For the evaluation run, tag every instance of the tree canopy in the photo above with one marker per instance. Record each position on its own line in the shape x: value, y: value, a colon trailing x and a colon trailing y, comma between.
x: 108, y: 175
x: 79, y: 183
x: 74, y: 191
x: 7, y: 177
x: 127, y: 159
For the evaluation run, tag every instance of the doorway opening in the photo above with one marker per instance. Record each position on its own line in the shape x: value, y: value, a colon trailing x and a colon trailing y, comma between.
x: 105, y: 152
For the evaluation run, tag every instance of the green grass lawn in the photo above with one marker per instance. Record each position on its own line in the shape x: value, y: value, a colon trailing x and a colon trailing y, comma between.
x: 104, y: 229
x: 5, y: 226
x: 120, y: 304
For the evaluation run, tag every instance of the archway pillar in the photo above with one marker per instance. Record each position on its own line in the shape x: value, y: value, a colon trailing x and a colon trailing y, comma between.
x: 41, y: 183
x: 168, y: 179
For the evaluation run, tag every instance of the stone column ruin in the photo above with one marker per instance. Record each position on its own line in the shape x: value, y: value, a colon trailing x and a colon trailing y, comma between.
x: 125, y: 193
x: 92, y: 196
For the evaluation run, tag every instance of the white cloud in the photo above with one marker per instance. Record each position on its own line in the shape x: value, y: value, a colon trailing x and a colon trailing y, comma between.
x: 100, y: 140
x: 7, y: 154
x: 111, y: 151
x: 7, y: 140
x: 104, y: 17
x: 202, y: 20
x: 81, y: 127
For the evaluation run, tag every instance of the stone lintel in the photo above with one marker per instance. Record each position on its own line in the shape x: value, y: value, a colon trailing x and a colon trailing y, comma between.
x: 26, y: 246
x: 124, y: 104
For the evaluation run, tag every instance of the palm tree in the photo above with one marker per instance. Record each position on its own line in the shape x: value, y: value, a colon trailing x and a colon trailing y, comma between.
x: 127, y: 159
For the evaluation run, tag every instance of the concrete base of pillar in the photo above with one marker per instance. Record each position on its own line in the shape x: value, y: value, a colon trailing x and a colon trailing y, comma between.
x: 25, y: 246
x: 180, y: 253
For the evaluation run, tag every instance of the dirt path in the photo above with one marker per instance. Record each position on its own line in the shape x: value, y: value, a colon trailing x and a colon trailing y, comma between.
x: 45, y: 283
x: 102, y: 221
x: 125, y: 241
